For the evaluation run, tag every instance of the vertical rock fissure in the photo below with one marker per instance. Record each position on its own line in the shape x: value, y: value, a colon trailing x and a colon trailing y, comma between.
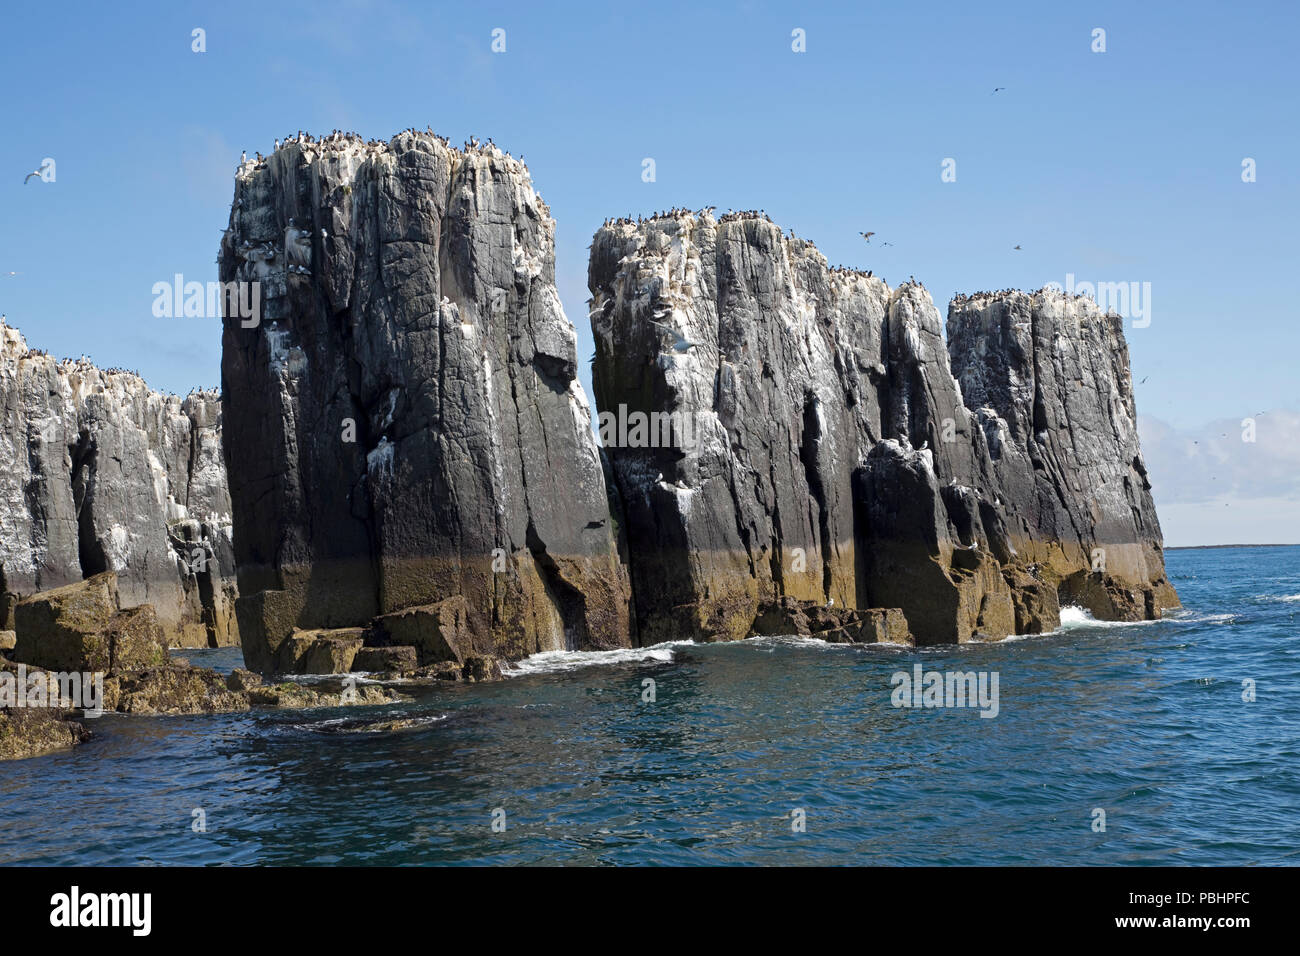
x: 812, y: 476
x: 90, y: 551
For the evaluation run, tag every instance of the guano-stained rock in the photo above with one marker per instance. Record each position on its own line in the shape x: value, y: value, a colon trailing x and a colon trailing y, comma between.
x: 404, y: 425
x: 98, y: 472
x: 1048, y: 377
x: 821, y: 451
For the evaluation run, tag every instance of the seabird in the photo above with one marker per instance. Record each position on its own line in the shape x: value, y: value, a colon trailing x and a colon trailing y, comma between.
x: 30, y: 175
x: 1017, y: 247
x: 998, y: 89
x: 680, y: 343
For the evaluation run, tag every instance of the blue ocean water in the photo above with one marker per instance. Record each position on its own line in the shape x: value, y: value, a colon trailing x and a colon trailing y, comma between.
x: 1145, y: 722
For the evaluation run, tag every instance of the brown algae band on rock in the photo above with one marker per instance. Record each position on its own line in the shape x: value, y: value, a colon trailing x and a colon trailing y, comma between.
x: 404, y: 425
x: 415, y: 485
x: 843, y: 456
x: 78, y: 653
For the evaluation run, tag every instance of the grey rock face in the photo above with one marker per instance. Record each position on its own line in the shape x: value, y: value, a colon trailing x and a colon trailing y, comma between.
x: 405, y: 424
x: 1048, y: 377
x: 832, y: 459
x: 98, y: 472
x: 783, y: 388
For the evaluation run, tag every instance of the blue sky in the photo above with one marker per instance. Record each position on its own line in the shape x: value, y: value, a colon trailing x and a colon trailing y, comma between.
x: 1116, y: 166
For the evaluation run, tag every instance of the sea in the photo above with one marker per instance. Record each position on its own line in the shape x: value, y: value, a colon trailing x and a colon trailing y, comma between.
x: 1167, y: 742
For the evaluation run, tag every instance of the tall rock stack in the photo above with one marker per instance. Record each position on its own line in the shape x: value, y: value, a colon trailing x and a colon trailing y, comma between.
x: 409, y: 449
x: 98, y: 473
x: 775, y: 371
x: 1048, y: 377
x: 820, y: 452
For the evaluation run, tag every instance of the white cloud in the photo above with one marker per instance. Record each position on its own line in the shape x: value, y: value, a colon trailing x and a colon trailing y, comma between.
x: 1211, y: 486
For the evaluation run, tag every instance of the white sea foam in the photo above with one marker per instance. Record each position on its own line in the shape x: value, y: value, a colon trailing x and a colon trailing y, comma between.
x: 554, y: 662
x: 786, y: 640
x: 1009, y: 639
x: 359, y: 677
x: 1184, y: 616
x: 1073, y: 617
x: 1288, y: 598
x: 803, y: 640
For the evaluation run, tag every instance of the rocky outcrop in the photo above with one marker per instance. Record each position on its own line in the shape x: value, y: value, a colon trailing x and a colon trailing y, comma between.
x: 776, y: 372
x: 81, y: 627
x: 785, y: 445
x: 814, y: 445
x: 405, y: 414
x: 98, y: 473
x: 1047, y: 376
x: 32, y: 733
x: 789, y: 616
x: 77, y: 652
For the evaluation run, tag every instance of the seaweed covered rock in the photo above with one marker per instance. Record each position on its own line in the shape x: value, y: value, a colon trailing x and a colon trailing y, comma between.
x: 80, y: 627
x: 28, y: 732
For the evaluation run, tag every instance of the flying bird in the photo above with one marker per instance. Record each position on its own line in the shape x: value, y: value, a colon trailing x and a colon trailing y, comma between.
x: 997, y: 89
x: 883, y: 243
x: 680, y: 343
x: 1017, y: 247
x: 866, y: 235
x: 36, y: 173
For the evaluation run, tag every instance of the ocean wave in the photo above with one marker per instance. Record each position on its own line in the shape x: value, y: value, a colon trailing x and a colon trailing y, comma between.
x: 785, y: 640
x: 557, y: 662
x: 1074, y: 617
x: 978, y: 639
x: 307, y: 680
x: 807, y: 640
x: 1184, y: 616
x: 1281, y: 598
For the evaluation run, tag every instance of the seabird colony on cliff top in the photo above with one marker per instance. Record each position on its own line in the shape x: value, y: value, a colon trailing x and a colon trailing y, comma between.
x: 339, y: 138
